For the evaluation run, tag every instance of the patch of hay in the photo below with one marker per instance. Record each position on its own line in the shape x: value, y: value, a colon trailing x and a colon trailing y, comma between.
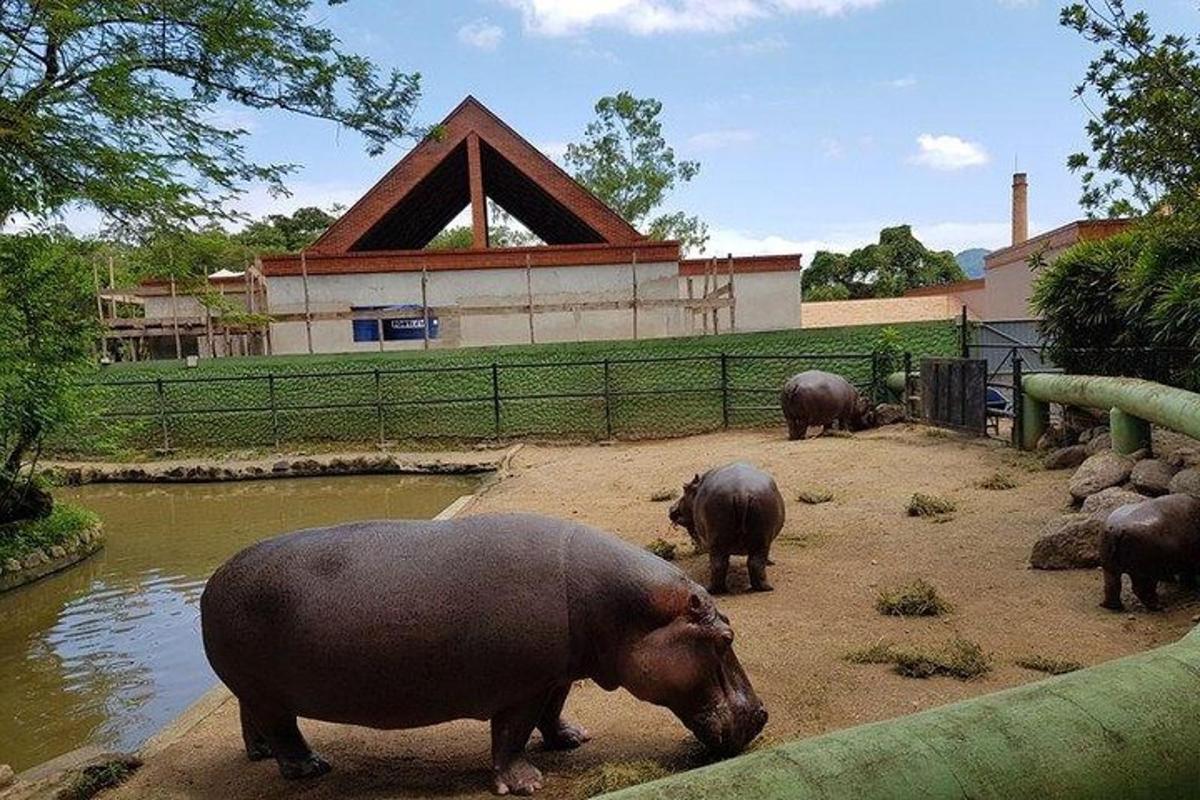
x: 878, y: 653
x: 815, y: 497
x: 997, y: 482
x: 803, y: 540
x: 97, y: 778
x: 613, y: 777
x: 1051, y: 666
x: 930, y: 506
x: 664, y: 495
x: 960, y: 658
x: 663, y: 549
x: 916, y: 599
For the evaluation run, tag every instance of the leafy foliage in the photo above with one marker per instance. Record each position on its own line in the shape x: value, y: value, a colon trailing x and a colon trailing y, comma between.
x: 625, y: 161
x: 64, y: 522
x: 899, y: 262
x: 1145, y: 133
x: 502, y: 232
x: 117, y: 103
x: 47, y: 326
x: 281, y: 233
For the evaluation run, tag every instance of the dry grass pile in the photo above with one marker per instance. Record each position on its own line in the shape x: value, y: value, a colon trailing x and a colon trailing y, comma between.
x: 930, y: 506
x: 960, y: 658
x: 663, y: 549
x: 916, y: 599
x: 619, y: 775
x: 1051, y: 666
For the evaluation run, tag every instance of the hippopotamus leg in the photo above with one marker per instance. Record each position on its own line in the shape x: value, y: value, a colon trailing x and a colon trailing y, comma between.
x: 1146, y: 589
x: 756, y: 564
x: 797, y: 429
x: 274, y: 733
x: 718, y: 570
x: 1112, y: 591
x: 558, y: 733
x: 511, y: 728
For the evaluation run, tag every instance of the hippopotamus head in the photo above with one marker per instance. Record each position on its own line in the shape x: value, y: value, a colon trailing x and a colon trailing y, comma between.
x: 864, y: 416
x: 688, y: 665
x: 681, y: 513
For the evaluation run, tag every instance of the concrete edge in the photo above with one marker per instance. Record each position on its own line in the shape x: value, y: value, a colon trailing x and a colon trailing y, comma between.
x: 208, y: 704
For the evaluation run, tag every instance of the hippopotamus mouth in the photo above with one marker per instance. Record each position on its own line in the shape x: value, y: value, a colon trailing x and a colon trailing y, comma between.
x: 725, y: 733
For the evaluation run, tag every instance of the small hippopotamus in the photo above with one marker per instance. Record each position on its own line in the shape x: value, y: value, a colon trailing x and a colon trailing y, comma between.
x: 732, y: 510
x: 821, y: 398
x: 1155, y: 540
x: 405, y: 624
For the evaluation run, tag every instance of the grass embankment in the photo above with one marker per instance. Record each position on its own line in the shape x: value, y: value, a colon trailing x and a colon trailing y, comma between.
x: 66, y: 521
x: 227, y: 402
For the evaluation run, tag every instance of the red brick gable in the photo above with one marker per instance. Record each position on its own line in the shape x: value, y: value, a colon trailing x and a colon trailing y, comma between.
x: 474, y: 153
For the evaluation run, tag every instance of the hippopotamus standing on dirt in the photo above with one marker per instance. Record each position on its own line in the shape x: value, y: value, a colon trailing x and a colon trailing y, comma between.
x: 822, y: 398
x: 1151, y: 541
x: 732, y: 510
x: 405, y: 624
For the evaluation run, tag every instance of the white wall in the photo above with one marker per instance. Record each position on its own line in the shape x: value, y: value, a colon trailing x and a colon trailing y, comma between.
x: 766, y: 301
x: 500, y: 287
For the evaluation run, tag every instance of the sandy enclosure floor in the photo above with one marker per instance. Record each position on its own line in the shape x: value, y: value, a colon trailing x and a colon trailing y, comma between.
x: 830, y: 562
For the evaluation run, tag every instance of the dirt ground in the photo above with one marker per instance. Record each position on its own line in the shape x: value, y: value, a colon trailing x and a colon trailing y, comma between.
x: 830, y: 559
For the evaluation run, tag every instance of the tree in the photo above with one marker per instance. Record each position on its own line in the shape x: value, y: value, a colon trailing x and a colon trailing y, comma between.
x: 114, y: 103
x: 280, y: 233
x: 899, y: 262
x: 502, y: 232
x: 47, y: 327
x: 1145, y: 132
x: 625, y: 161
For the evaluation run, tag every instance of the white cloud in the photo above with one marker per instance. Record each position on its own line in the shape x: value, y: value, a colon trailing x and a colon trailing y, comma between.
x: 948, y: 153
x: 717, y: 140
x: 833, y: 148
x: 906, y: 82
x: 645, y: 17
x: 755, y: 47
x: 481, y: 34
x: 557, y: 151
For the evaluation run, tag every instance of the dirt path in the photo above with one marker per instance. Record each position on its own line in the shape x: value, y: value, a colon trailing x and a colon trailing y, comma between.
x: 831, y: 560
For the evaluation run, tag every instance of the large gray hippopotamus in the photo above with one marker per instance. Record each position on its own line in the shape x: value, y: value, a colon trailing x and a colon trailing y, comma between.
x: 821, y: 398
x: 732, y: 510
x: 405, y: 624
x: 1155, y: 540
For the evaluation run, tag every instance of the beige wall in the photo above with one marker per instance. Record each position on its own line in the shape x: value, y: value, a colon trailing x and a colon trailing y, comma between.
x: 839, y: 313
x: 490, y: 287
x: 766, y: 301
x: 1010, y: 286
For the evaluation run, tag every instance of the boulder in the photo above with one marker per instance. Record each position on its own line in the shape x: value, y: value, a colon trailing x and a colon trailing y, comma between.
x: 1066, y: 457
x: 1099, y: 443
x: 1152, y: 477
x: 57, y: 552
x: 34, y: 559
x: 7, y: 777
x: 12, y: 565
x: 1070, y: 542
x: 1098, y: 473
x: 281, y: 466
x: 1101, y: 504
x: 1187, y: 482
x: 889, y: 414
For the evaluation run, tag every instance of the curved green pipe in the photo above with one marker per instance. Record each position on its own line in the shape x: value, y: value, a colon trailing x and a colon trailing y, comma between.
x: 1161, y: 405
x: 896, y: 382
x: 1123, y: 730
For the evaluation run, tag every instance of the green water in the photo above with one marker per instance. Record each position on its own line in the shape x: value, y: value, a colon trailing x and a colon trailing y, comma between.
x: 108, y: 651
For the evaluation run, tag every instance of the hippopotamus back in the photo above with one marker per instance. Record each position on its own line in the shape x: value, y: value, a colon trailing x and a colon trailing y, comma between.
x: 816, y: 398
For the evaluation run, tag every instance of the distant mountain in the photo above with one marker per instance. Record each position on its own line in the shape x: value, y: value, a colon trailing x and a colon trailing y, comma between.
x: 971, y: 261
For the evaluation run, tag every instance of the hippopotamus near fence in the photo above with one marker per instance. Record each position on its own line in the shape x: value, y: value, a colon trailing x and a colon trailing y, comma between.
x: 732, y: 510
x: 1155, y: 540
x: 821, y: 398
x: 406, y: 624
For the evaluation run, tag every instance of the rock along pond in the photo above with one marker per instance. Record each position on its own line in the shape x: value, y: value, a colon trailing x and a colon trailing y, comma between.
x: 108, y: 651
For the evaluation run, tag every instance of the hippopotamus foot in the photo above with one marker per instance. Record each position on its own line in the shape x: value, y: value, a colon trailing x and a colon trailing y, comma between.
x: 1146, y: 590
x: 718, y: 572
x: 1112, y: 591
x: 519, y: 778
x: 309, y: 766
x: 511, y: 773
x: 257, y: 747
x: 756, y: 565
x: 558, y: 733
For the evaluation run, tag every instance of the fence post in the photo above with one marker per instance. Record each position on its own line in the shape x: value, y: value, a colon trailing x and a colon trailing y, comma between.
x: 274, y: 407
x: 162, y: 416
x: 724, y: 390
x: 1018, y: 431
x: 906, y: 401
x: 496, y: 398
x: 875, y: 354
x: 962, y: 333
x: 379, y: 407
x: 607, y: 400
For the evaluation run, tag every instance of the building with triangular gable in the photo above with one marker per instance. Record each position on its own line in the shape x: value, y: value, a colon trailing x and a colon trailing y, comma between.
x: 368, y: 283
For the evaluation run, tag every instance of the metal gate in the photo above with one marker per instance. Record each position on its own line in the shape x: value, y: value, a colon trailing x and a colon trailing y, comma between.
x: 954, y: 393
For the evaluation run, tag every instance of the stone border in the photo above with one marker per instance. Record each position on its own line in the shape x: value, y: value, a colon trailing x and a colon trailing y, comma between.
x: 40, y: 563
x: 287, y: 467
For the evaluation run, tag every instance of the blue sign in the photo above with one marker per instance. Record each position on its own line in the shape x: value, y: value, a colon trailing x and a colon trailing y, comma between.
x: 398, y: 329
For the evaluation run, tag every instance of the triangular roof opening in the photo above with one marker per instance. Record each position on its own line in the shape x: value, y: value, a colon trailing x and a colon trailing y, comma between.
x: 476, y: 156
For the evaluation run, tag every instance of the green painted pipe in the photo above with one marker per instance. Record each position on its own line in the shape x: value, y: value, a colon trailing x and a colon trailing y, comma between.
x: 896, y: 382
x: 1161, y: 405
x: 1035, y: 419
x: 1129, y: 433
x: 1123, y: 730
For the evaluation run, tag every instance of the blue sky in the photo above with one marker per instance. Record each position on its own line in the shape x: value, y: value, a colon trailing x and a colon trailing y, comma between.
x: 816, y: 121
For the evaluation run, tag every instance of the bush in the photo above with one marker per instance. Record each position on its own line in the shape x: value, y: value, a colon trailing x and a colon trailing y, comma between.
x: 917, y: 599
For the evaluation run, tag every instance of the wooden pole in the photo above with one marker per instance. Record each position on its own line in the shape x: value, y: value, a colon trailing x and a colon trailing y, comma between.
x: 307, y: 308
x: 212, y: 345
x: 691, y: 291
x: 112, y: 284
x: 712, y: 265
x: 732, y: 298
x: 529, y: 295
x: 425, y: 304
x: 175, y: 319
x: 703, y: 311
x: 635, y: 295
x: 100, y: 311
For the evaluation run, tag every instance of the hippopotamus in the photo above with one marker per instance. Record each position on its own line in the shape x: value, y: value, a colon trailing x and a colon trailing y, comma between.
x: 822, y: 398
x: 404, y: 624
x: 1154, y: 540
x: 732, y: 510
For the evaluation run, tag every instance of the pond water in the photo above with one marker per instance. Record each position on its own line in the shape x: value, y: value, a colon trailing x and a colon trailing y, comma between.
x: 108, y: 651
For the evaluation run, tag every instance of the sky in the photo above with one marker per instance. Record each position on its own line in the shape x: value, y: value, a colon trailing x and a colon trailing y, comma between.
x: 816, y: 122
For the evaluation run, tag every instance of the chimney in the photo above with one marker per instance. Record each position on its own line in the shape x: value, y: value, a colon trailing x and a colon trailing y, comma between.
x: 1020, y: 208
